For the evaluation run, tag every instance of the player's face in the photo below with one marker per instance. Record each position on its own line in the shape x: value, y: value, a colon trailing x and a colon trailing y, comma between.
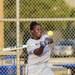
x: 37, y: 32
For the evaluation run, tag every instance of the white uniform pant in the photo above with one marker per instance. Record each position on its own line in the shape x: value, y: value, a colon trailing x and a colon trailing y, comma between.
x: 38, y: 69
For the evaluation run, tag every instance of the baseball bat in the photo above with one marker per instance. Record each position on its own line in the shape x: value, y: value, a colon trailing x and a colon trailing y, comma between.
x: 18, y: 47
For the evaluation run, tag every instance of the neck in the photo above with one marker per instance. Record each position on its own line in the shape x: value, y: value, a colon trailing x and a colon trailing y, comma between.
x: 36, y: 38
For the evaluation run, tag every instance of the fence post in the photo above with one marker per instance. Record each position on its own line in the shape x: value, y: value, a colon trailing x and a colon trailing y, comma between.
x: 1, y: 25
x: 18, y: 32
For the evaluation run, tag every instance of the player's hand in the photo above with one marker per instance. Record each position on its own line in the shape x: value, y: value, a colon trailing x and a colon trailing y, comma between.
x: 42, y: 44
x: 48, y: 40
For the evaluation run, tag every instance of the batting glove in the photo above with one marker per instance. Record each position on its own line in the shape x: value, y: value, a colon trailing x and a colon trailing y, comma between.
x: 42, y: 43
x: 48, y: 40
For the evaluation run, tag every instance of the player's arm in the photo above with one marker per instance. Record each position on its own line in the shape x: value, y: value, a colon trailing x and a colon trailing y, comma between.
x: 39, y: 50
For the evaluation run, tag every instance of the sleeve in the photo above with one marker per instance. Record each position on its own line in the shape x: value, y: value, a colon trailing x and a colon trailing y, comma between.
x: 31, y: 48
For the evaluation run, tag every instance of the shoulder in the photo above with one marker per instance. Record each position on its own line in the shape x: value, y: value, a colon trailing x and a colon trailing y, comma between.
x: 30, y: 41
x: 45, y: 36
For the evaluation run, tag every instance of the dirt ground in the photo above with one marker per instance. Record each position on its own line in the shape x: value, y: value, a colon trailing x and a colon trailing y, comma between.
x: 61, y: 73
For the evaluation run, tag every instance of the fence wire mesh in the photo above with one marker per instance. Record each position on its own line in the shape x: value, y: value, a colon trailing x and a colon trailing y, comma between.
x: 64, y: 31
x: 44, y: 9
x: 9, y: 8
x: 39, y: 9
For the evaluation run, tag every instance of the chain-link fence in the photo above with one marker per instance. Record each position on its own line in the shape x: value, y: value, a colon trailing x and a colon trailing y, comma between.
x: 55, y: 15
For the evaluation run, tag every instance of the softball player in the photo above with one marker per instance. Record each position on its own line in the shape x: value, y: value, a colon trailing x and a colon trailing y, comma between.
x: 38, y: 55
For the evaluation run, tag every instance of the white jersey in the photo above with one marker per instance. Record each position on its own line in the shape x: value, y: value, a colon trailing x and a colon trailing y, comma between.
x: 44, y: 57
